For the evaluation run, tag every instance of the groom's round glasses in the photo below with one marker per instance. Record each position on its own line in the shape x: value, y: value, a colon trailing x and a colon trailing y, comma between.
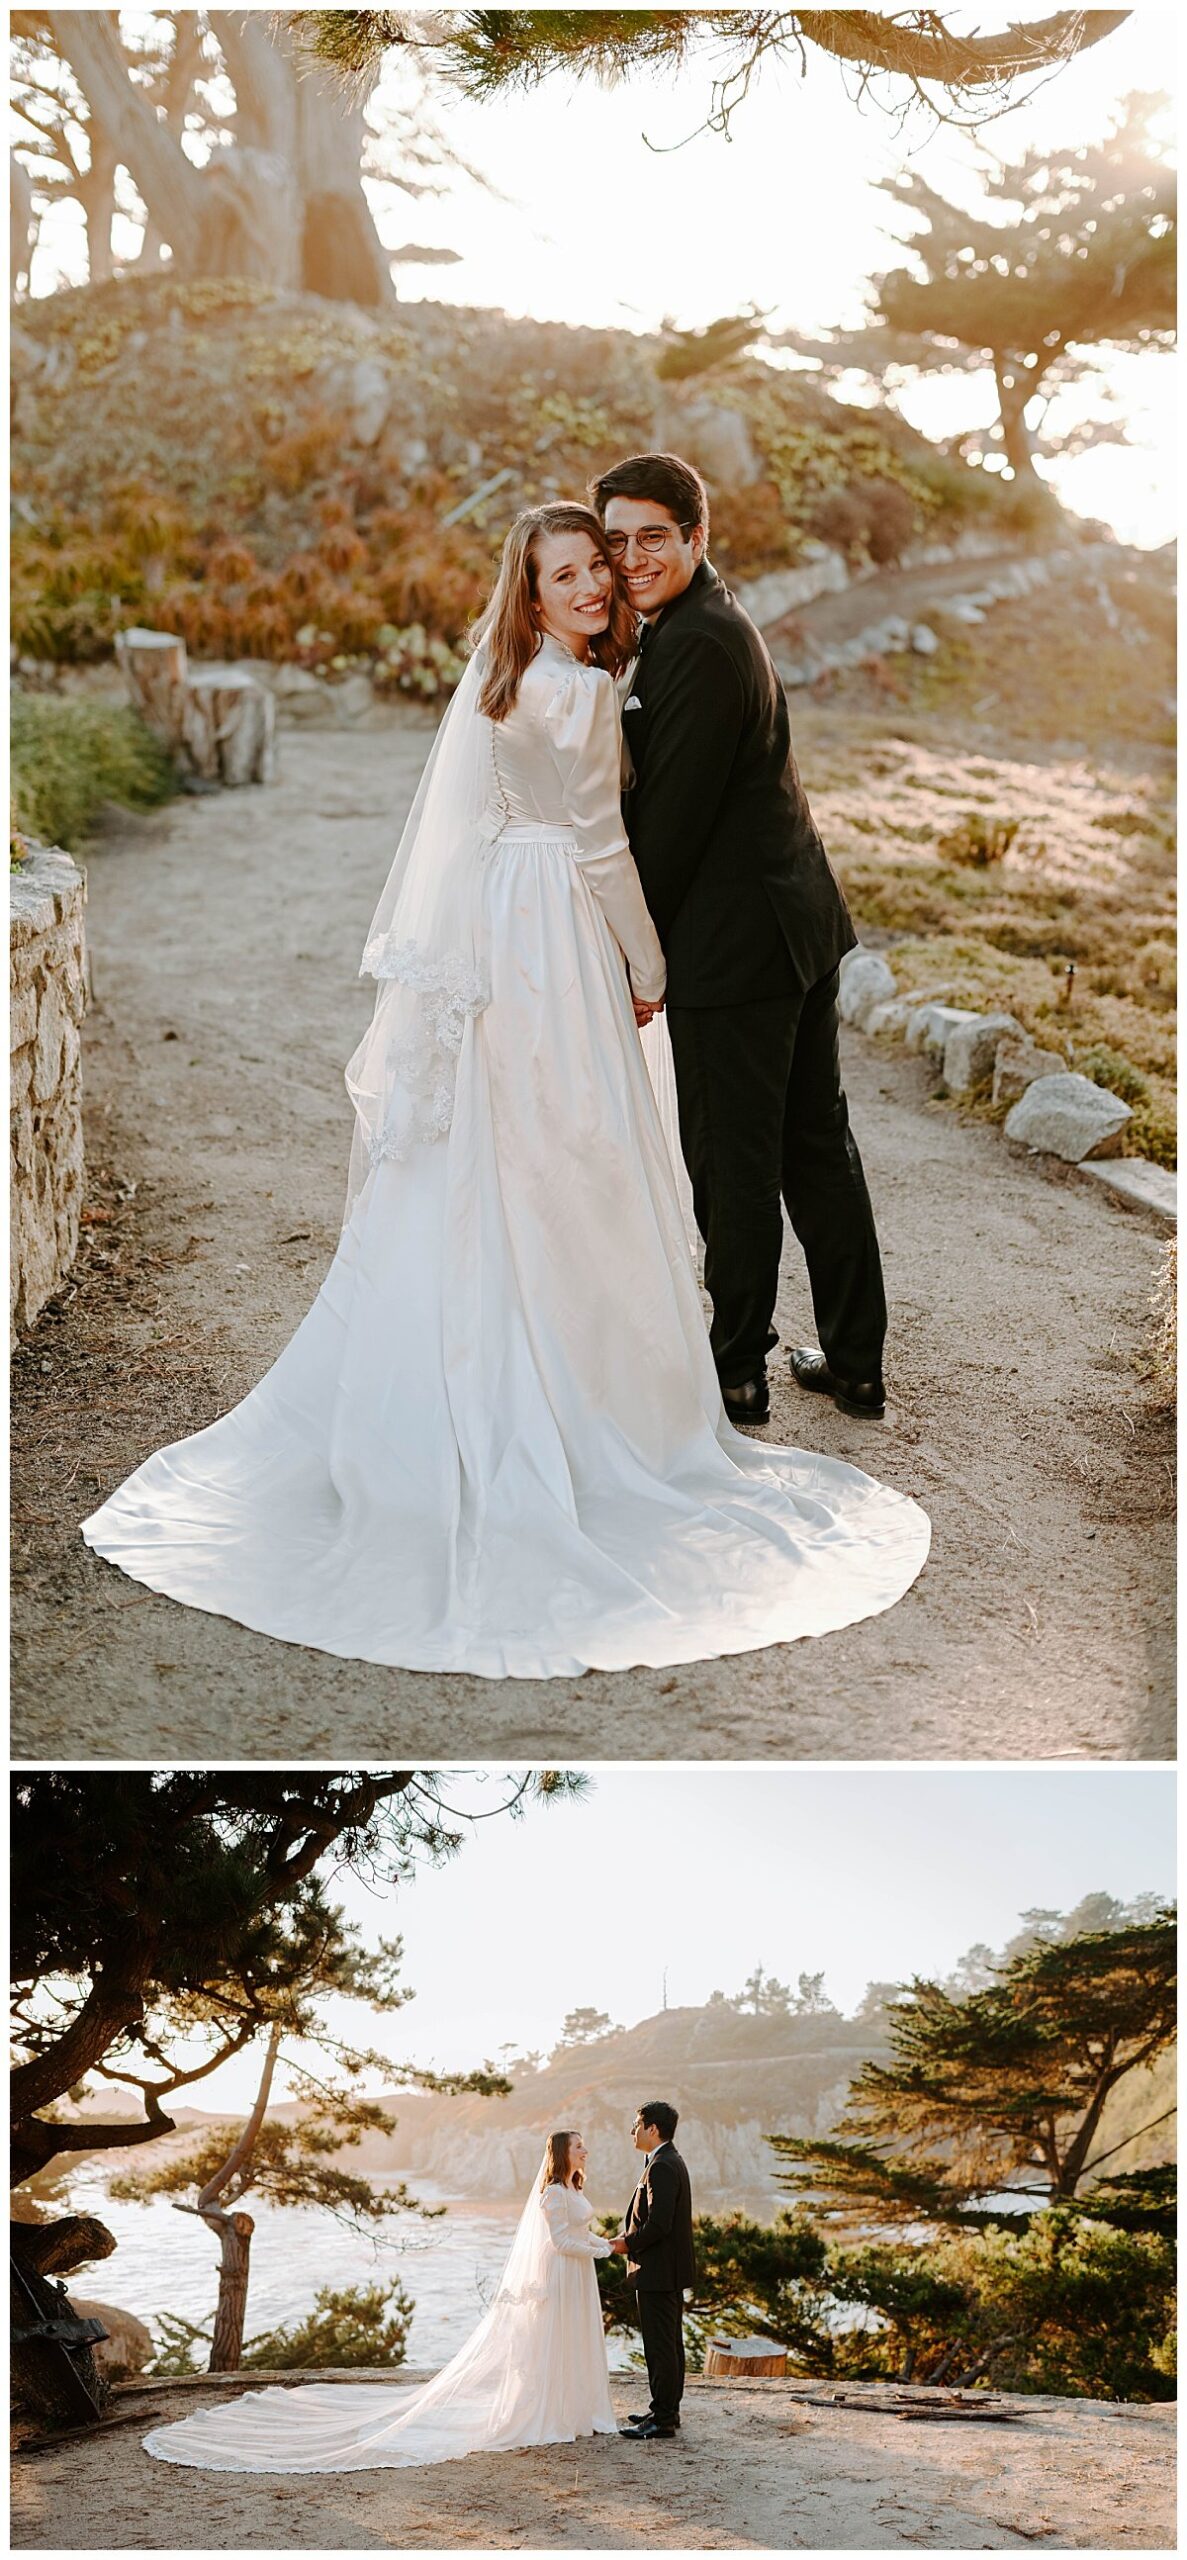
x: 651, y: 537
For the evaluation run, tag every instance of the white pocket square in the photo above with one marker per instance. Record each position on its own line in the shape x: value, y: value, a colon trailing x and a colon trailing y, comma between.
x: 634, y: 704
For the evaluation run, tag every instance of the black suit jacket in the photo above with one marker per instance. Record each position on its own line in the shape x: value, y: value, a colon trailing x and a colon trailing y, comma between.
x: 744, y: 899
x: 659, y: 2226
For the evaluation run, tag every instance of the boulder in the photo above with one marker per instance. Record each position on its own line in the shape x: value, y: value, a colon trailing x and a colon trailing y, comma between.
x: 930, y: 1027
x: 890, y: 1019
x: 721, y: 441
x: 866, y: 980
x: 1068, y: 1116
x: 128, y: 2346
x: 971, y: 1049
x: 821, y: 572
x: 1018, y: 1063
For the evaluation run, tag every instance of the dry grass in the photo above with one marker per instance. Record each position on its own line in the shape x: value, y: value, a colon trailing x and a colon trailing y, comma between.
x: 1164, y: 1308
x: 1006, y: 810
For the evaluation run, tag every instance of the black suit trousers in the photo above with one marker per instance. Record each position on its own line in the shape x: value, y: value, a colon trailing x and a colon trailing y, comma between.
x: 661, y: 2319
x: 763, y: 1117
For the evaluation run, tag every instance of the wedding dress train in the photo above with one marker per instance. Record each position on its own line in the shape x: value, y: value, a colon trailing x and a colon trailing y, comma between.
x: 533, y: 2372
x: 496, y: 1443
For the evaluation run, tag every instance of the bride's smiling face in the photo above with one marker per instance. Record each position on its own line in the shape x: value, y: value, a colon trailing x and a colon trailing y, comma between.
x: 578, y: 2155
x: 574, y: 585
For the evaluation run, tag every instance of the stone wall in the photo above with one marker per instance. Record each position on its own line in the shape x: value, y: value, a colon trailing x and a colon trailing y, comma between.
x: 48, y: 996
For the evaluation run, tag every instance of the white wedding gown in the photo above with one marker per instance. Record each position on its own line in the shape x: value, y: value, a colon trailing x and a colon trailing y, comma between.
x: 533, y: 2372
x: 496, y: 1443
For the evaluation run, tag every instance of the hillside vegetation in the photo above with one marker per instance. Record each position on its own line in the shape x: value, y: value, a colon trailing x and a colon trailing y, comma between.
x: 274, y: 475
x: 1006, y: 809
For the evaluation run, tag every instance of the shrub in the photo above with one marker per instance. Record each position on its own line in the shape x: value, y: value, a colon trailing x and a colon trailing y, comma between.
x: 1107, y: 1067
x: 360, y: 2325
x: 69, y: 758
x: 840, y: 519
x: 891, y: 520
x: 979, y: 840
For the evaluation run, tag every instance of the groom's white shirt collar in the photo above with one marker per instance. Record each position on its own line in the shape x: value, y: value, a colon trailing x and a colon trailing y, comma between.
x: 652, y: 2155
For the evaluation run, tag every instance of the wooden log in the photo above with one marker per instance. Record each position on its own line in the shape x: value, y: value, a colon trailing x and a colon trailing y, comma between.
x: 228, y: 727
x: 153, y: 665
x: 55, y: 2248
x: 744, y: 2360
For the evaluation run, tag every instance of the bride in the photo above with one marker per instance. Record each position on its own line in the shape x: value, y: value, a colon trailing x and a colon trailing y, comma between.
x: 533, y: 2372
x: 496, y: 1443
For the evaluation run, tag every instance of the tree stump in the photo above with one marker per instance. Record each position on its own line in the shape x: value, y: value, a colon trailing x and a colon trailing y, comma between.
x: 220, y: 723
x: 228, y: 727
x: 153, y: 665
x: 744, y: 2360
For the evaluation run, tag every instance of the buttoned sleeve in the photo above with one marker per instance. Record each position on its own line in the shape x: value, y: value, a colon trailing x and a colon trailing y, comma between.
x: 570, y: 2239
x: 582, y: 727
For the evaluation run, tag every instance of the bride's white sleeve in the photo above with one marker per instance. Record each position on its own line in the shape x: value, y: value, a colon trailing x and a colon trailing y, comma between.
x: 582, y: 727
x: 570, y: 2239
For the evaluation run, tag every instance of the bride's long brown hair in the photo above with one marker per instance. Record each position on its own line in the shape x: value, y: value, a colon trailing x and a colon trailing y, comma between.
x: 508, y: 625
x: 556, y: 2172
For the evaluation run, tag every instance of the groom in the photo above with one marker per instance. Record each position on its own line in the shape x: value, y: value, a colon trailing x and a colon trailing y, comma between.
x: 753, y: 925
x: 656, y: 2242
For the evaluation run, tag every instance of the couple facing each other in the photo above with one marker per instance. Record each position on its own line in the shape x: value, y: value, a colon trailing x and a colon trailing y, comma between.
x: 500, y: 1441
x: 534, y: 2371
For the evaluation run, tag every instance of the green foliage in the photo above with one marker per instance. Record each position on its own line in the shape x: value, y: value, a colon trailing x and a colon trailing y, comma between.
x: 69, y: 759
x: 359, y: 2325
x: 1087, y: 257
x: 410, y: 662
x: 1135, y: 2200
x: 689, y: 352
x: 485, y: 52
x: 587, y: 2026
x: 1063, y: 2301
x: 1067, y: 2305
x: 1002, y: 2089
x: 180, y: 1914
x: 295, y: 2161
x: 355, y: 2325
x: 1107, y: 1067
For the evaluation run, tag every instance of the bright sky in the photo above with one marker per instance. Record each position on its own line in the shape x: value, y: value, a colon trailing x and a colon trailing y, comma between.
x: 705, y: 1873
x: 599, y: 228
x: 603, y: 229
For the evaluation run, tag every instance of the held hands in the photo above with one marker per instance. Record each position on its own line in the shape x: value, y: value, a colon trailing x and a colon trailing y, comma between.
x: 618, y: 2244
x: 645, y: 1013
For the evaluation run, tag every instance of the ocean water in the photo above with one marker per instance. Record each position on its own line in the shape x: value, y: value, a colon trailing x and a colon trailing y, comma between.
x: 168, y: 2261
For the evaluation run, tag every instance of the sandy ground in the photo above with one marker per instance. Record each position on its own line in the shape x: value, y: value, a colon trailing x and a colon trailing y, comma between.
x: 752, y: 2470
x: 225, y: 934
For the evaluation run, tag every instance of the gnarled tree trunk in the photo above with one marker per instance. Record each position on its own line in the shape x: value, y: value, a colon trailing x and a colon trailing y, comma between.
x: 233, y: 2227
x: 284, y: 202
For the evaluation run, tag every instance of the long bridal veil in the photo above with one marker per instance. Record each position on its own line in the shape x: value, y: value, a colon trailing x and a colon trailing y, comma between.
x: 495, y: 2393
x: 425, y: 947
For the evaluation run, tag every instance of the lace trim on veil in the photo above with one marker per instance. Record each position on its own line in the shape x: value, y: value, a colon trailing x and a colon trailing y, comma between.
x: 451, y: 993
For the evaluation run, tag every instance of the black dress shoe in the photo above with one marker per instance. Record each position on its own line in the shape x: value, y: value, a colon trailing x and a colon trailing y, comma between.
x: 646, y: 2418
x: 646, y: 2434
x: 749, y: 1403
x: 865, y: 1397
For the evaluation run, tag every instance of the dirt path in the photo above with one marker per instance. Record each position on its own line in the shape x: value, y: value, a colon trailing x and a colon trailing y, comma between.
x: 831, y: 619
x: 225, y: 935
x: 752, y: 2470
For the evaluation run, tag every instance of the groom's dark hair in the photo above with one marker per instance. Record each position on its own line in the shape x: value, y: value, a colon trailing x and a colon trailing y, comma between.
x: 663, y: 476
x: 657, y: 2112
